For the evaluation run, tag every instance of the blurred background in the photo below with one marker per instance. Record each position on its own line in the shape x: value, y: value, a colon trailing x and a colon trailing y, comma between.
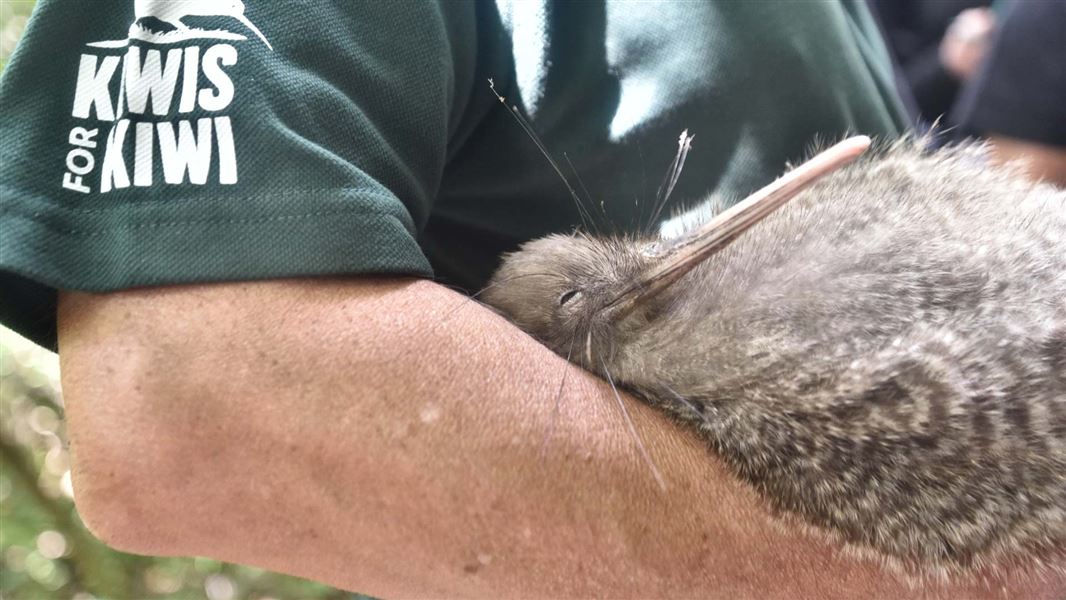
x: 957, y: 64
x: 988, y: 69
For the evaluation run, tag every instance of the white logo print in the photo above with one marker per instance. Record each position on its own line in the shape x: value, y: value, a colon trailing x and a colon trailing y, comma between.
x: 171, y: 12
x: 155, y: 87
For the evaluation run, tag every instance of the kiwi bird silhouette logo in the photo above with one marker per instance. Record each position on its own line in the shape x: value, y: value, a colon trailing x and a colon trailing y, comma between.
x: 172, y: 12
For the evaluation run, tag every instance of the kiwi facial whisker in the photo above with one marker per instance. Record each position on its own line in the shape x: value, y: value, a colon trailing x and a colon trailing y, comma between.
x: 473, y: 297
x: 689, y: 405
x: 558, y: 402
x: 633, y: 430
x: 587, y: 218
x: 528, y: 129
x: 673, y: 173
x: 588, y: 196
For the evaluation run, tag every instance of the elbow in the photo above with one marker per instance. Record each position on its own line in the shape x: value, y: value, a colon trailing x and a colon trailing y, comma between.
x: 128, y: 456
x: 120, y: 508
x: 124, y: 476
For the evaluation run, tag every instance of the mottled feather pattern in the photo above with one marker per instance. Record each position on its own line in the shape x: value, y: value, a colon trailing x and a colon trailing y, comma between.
x: 884, y: 357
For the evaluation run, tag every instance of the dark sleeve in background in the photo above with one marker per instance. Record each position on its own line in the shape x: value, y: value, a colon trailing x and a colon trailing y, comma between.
x: 1020, y: 91
x: 913, y: 30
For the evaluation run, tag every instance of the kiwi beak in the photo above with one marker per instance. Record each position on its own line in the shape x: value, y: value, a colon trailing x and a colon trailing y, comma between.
x: 680, y: 255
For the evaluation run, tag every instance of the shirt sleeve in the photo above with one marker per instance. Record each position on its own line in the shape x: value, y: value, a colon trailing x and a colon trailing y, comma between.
x: 161, y: 142
x: 1020, y: 91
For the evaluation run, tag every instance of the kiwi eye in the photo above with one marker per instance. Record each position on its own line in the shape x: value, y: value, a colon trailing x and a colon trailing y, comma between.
x: 567, y: 296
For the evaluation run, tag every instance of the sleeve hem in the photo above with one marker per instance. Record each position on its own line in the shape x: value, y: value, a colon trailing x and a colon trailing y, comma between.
x: 50, y: 249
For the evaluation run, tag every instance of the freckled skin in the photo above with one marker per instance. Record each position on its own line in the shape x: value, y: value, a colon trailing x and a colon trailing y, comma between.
x: 884, y: 357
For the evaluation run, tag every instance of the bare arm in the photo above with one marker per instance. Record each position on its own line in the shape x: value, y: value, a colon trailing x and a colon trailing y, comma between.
x: 349, y: 431
x: 1039, y: 161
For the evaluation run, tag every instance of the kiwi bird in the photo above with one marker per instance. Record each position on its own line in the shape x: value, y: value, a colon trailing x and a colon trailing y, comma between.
x: 884, y: 357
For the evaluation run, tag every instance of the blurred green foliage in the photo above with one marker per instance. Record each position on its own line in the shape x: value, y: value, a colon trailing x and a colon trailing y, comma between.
x: 45, y: 551
x: 13, y: 16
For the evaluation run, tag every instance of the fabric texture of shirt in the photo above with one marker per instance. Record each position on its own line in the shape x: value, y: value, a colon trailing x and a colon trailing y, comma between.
x: 157, y: 143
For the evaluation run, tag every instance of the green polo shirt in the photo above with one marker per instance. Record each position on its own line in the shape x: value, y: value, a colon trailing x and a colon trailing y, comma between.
x: 152, y: 143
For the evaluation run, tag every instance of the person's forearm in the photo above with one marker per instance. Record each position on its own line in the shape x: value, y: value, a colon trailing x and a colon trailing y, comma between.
x: 1036, y: 160
x: 368, y: 435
